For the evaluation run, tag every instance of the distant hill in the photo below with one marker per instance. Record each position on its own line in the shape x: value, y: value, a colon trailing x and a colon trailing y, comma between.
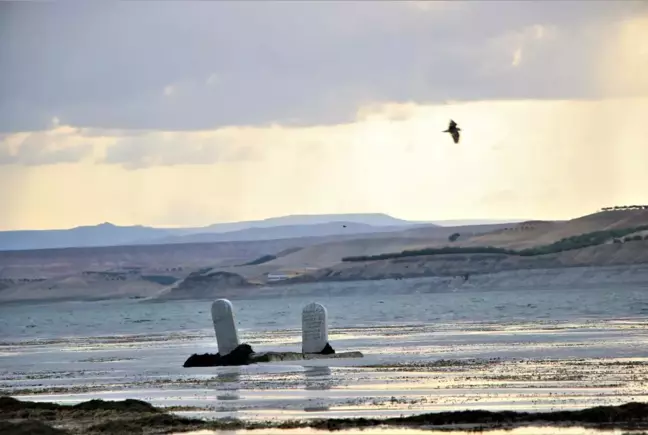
x: 148, y: 269
x: 465, y: 222
x: 107, y: 234
x: 283, y: 232
x: 372, y: 219
x: 295, y: 226
x: 534, y: 233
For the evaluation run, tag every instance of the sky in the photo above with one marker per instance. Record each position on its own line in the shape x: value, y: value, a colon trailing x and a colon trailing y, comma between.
x: 192, y: 113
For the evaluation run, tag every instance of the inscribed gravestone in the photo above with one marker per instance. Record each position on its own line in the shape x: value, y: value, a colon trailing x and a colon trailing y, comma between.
x: 314, y: 328
x: 224, y: 326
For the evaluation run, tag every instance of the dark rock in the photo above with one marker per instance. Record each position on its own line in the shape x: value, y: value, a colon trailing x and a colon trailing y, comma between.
x: 328, y: 350
x: 128, y: 405
x: 240, y: 356
x: 245, y: 355
x: 277, y: 356
x: 204, y: 360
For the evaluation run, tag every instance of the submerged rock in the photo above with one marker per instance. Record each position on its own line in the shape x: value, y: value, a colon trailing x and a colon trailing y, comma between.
x: 204, y: 360
x: 239, y: 356
x: 243, y: 354
x: 298, y: 356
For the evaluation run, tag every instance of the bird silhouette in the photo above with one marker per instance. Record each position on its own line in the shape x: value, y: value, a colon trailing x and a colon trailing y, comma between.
x: 453, y: 130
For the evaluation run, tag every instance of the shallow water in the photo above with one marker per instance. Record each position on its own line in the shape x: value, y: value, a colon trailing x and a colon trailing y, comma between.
x: 420, y: 306
x: 554, y: 350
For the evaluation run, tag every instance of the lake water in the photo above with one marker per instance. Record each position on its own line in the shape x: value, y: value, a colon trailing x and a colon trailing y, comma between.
x: 530, y: 350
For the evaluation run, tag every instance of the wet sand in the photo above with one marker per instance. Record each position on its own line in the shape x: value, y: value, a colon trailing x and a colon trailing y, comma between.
x: 415, y: 374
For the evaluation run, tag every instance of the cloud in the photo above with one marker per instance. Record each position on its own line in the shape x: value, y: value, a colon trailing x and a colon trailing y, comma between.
x: 212, y: 80
x: 59, y: 145
x: 529, y: 44
x: 106, y: 65
x: 176, y: 148
x: 509, y: 127
x: 517, y: 57
x: 622, y: 69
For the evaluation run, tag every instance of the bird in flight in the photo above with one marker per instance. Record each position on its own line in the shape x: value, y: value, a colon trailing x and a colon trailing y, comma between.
x: 453, y: 130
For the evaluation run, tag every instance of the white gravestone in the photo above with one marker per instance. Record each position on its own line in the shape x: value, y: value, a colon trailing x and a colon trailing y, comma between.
x: 224, y: 326
x: 314, y: 328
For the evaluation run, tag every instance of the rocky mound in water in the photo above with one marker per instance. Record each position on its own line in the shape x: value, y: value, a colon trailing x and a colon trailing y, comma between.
x: 238, y: 357
x: 243, y: 354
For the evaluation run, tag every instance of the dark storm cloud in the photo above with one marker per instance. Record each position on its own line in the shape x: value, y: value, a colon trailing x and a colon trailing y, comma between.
x: 197, y: 65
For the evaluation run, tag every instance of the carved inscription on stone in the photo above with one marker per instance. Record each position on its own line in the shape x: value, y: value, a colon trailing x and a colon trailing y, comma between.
x: 314, y: 328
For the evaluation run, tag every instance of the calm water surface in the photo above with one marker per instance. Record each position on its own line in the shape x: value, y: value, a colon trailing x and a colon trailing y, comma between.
x: 82, y: 319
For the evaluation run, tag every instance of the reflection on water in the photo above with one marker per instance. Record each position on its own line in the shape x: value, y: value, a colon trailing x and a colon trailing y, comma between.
x: 317, y: 379
x: 530, y: 430
x: 229, y: 383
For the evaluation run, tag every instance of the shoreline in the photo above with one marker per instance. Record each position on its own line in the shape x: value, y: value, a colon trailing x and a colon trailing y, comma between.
x: 136, y: 416
x: 488, y: 359
x: 548, y: 278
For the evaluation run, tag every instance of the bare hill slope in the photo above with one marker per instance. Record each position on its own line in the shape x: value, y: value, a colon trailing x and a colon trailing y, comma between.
x: 330, y: 253
x: 535, y: 233
x: 631, y: 253
x: 82, y: 287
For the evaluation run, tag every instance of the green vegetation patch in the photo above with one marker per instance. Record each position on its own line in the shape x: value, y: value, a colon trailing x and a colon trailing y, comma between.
x: 261, y: 260
x: 567, y: 244
x: 581, y: 241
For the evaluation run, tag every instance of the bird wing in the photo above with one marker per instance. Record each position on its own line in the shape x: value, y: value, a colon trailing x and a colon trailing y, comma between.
x: 455, y: 136
x: 452, y: 125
